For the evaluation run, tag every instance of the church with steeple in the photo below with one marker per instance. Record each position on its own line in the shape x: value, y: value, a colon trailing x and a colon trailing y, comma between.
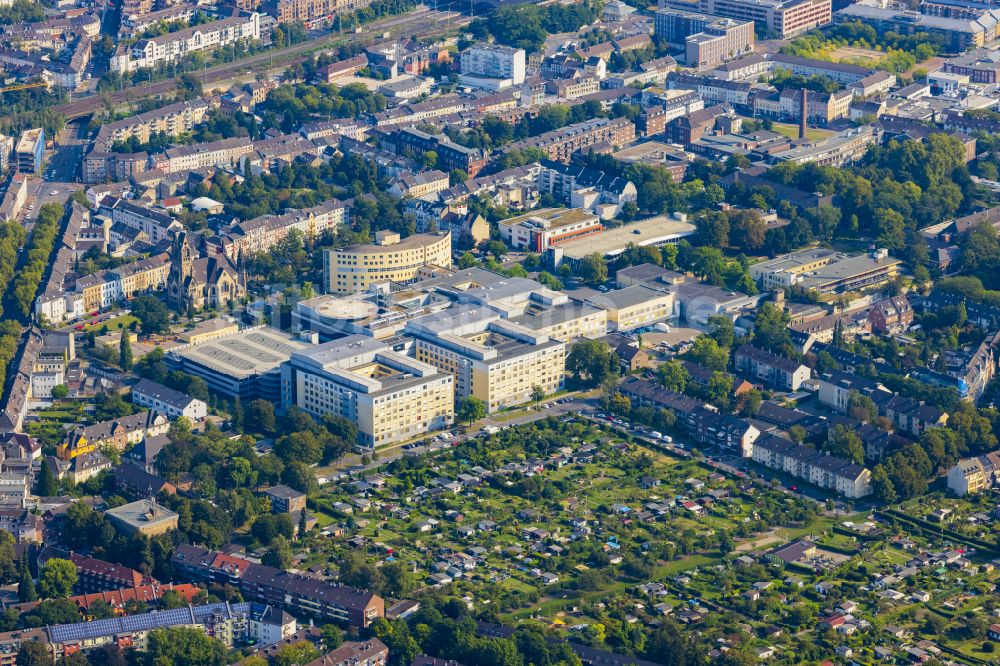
x: 202, y: 282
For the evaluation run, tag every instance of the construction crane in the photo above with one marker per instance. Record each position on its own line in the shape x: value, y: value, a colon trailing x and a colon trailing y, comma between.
x: 24, y: 86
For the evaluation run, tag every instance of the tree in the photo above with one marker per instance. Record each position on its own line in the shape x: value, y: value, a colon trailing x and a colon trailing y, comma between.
x: 125, y: 352
x: 269, y: 527
x: 593, y: 269
x: 171, y: 599
x: 333, y: 637
x: 34, y: 653
x: 770, y: 330
x: 296, y: 654
x: 749, y: 402
x: 60, y: 391
x: 537, y: 393
x: 591, y: 362
x: 57, y: 578
x: 280, y: 553
x: 846, y: 444
x: 259, y: 417
x: 153, y: 315
x: 673, y: 375
x: 882, y: 485
x: 48, y: 485
x: 102, y: 610
x: 25, y: 584
x: 470, y: 409
x: 497, y: 249
x: 184, y: 645
x: 861, y: 408
x: 722, y: 330
x: 706, y: 352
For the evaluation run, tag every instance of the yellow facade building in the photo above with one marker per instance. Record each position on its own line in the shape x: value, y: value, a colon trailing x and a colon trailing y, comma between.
x: 353, y: 269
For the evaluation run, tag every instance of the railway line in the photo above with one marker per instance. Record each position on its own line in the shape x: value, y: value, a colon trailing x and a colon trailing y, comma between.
x: 421, y: 21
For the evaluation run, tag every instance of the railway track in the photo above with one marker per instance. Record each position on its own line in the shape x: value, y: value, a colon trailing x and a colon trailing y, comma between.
x: 421, y: 21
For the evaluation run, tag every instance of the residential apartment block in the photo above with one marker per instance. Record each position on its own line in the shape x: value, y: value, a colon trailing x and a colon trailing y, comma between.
x: 974, y: 475
x: 103, y: 289
x: 492, y: 66
x: 560, y: 144
x: 158, y: 397
x: 450, y: 155
x: 390, y: 396
x: 225, y: 152
x: 174, y: 46
x: 294, y: 592
x: 262, y: 233
x: 157, y: 226
x: 778, y: 371
x: 355, y: 268
x: 315, y: 13
x: 120, y: 433
x: 806, y: 463
x: 579, y: 187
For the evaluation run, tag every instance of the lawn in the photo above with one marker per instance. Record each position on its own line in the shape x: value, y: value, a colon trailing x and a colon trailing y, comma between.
x: 792, y: 131
x: 123, y: 321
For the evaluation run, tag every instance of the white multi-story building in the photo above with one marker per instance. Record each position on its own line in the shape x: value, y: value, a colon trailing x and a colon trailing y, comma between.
x: 493, y: 66
x: 973, y: 475
x: 174, y: 46
x: 494, y: 359
x: 390, y: 396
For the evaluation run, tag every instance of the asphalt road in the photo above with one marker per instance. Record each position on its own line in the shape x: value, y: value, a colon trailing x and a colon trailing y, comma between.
x: 573, y: 405
x: 421, y: 21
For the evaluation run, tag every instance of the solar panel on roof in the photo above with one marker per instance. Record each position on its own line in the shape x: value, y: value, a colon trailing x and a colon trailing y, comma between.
x: 66, y: 633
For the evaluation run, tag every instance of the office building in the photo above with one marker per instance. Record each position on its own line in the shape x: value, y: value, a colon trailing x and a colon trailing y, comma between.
x: 956, y: 35
x: 355, y: 268
x: 30, y: 151
x: 654, y: 231
x: 635, y: 307
x: 707, y: 40
x: 825, y: 271
x: 246, y: 365
x: 144, y: 517
x: 539, y: 230
x: 780, y: 18
x: 492, y: 66
x: 390, y: 396
x: 492, y: 358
